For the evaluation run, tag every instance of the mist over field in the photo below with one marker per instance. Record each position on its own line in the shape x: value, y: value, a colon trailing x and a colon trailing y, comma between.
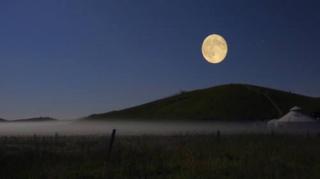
x: 127, y: 127
x: 136, y: 127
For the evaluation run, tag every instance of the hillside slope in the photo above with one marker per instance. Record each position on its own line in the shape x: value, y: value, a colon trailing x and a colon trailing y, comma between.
x: 226, y: 102
x: 36, y: 119
x: 2, y: 120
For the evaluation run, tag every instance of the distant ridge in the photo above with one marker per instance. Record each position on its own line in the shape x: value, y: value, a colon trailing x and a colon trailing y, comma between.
x: 225, y: 102
x: 36, y: 119
x: 2, y: 120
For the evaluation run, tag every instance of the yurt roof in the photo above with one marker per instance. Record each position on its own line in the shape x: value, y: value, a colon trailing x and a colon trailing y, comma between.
x: 295, y: 108
x: 296, y: 116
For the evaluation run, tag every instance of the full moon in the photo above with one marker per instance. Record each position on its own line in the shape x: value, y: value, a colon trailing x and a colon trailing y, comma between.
x: 214, y: 48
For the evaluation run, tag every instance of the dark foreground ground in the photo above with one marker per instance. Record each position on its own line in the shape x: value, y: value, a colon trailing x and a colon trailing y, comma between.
x: 189, y: 156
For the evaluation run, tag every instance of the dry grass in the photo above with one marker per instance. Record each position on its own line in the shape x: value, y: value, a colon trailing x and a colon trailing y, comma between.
x: 190, y: 156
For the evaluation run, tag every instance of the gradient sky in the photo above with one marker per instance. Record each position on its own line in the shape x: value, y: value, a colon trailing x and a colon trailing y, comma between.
x: 72, y: 58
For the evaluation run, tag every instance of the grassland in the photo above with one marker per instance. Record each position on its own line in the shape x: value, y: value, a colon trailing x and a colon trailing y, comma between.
x: 190, y: 156
x: 235, y: 102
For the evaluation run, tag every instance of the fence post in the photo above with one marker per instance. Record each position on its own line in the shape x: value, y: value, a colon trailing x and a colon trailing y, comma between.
x: 113, y: 135
x: 218, y: 135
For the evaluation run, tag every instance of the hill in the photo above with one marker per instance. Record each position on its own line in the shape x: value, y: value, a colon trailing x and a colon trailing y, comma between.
x: 36, y: 119
x: 225, y: 102
x: 2, y: 120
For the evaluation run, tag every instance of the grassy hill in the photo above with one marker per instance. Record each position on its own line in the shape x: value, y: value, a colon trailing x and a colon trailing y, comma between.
x: 2, y: 120
x: 36, y: 119
x: 226, y: 102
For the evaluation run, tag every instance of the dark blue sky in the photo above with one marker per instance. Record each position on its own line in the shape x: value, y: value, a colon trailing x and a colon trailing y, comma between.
x: 73, y: 58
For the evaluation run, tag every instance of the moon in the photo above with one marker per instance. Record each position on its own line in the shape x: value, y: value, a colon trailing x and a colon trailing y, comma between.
x: 214, y: 48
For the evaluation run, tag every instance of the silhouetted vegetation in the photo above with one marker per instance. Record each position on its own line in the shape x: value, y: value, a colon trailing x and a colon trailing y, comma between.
x: 226, y: 102
x: 190, y: 156
x: 35, y: 119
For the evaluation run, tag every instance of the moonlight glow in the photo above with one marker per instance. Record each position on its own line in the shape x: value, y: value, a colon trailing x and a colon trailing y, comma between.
x: 214, y: 48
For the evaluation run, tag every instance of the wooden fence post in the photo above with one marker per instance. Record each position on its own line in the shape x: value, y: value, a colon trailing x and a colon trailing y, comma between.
x: 113, y: 135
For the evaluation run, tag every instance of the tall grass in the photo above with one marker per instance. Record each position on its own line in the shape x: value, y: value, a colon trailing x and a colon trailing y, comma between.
x: 190, y: 156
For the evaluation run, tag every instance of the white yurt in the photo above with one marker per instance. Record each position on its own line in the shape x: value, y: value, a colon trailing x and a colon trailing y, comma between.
x: 295, y: 117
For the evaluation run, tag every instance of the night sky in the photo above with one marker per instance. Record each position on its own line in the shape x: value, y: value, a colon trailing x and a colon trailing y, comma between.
x: 69, y: 59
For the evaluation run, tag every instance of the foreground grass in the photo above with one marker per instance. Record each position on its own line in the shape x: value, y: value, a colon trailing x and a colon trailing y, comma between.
x: 189, y: 156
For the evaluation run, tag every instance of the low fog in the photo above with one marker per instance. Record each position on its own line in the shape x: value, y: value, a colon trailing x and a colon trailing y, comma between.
x: 134, y: 128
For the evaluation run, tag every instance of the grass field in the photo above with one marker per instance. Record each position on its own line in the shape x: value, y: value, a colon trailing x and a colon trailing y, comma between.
x: 189, y: 156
